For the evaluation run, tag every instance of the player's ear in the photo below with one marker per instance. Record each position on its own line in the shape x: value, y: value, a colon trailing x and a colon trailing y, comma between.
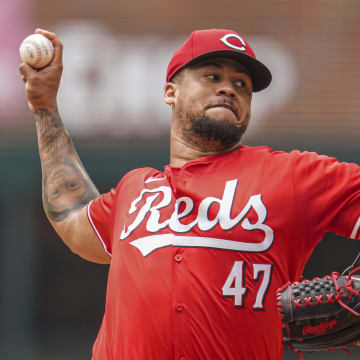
x: 169, y: 93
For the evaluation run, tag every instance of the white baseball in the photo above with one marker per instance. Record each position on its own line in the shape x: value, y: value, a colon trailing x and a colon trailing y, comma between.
x: 37, y: 51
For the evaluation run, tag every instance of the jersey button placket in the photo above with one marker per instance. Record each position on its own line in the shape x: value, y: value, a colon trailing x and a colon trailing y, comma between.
x: 178, y: 257
x: 180, y: 306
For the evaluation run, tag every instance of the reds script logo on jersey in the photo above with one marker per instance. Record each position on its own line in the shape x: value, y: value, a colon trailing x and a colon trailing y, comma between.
x: 184, y: 207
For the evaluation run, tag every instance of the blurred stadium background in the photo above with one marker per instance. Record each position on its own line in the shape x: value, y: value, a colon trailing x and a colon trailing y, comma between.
x: 115, y: 58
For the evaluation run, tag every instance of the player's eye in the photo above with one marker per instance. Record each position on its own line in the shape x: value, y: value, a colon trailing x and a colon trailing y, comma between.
x: 213, y: 77
x: 240, y: 83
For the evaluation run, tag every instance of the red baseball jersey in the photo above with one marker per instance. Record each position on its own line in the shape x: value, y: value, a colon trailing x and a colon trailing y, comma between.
x: 198, y: 252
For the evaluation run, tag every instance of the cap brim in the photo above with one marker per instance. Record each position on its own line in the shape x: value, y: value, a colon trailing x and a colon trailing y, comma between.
x: 260, y: 74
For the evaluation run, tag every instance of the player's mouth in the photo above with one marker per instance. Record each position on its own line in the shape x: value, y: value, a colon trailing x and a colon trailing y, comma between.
x: 224, y: 105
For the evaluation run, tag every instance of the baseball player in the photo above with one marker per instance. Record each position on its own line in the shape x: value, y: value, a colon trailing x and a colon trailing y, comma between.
x: 198, y: 249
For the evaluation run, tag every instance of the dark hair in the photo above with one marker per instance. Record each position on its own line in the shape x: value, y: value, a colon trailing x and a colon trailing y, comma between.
x: 177, y: 78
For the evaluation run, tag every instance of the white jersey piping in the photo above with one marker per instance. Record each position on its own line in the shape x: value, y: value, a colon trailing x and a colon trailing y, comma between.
x: 356, y: 228
x: 95, y: 229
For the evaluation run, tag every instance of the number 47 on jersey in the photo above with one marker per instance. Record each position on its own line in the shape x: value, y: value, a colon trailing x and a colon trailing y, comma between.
x: 235, y: 283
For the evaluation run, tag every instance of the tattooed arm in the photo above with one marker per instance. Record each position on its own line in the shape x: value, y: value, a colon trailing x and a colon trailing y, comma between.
x: 66, y: 187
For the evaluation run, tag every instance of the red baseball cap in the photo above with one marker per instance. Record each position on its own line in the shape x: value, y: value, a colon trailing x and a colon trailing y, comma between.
x: 203, y: 44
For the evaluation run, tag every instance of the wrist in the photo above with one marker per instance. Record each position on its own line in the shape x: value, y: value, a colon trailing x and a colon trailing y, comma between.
x: 50, y: 107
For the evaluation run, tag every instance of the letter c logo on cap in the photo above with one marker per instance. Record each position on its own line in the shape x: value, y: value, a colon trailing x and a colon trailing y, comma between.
x: 225, y: 38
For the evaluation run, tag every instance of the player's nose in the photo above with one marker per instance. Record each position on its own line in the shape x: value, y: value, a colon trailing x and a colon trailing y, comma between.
x: 226, y: 89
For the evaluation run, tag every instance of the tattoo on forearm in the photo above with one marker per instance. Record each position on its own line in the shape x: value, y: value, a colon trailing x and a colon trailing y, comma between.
x: 66, y: 185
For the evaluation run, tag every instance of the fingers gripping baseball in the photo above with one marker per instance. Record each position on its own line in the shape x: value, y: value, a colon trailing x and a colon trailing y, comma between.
x: 58, y: 47
x: 42, y: 85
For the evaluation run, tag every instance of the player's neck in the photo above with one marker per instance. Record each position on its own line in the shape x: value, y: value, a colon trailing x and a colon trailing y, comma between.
x: 182, y: 151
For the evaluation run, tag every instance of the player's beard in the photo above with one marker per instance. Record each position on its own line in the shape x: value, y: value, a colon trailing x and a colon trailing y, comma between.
x: 208, y: 133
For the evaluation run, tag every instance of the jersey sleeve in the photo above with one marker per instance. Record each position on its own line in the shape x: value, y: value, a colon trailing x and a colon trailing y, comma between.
x: 100, y: 214
x: 327, y: 194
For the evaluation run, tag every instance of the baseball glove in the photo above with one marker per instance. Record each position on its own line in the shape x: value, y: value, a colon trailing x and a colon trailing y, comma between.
x: 323, y: 313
